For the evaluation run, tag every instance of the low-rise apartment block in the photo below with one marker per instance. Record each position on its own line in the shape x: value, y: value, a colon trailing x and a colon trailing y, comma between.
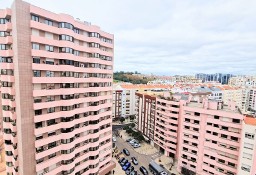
x: 124, y: 97
x: 204, y: 135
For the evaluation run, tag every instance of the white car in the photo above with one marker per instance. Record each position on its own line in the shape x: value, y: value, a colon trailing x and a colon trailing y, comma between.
x: 132, y: 141
x: 136, y: 145
x: 114, y: 139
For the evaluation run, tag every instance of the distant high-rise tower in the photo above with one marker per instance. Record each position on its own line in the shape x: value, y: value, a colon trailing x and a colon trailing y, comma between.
x: 56, y: 89
x: 219, y: 77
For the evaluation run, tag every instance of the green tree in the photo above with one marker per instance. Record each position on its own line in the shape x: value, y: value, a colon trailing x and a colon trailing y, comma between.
x: 132, y: 125
x: 126, y: 127
x: 140, y: 138
x: 122, y: 119
x: 129, y: 131
x: 132, y: 117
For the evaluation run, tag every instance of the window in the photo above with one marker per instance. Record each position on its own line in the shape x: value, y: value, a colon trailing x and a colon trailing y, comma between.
x: 221, y: 161
x: 224, y: 136
x: 51, y: 110
x: 214, y: 142
x: 248, y: 146
x: 235, y: 120
x: 49, y: 74
x: 197, y: 114
x: 246, y: 167
x: 4, y: 20
x: 49, y: 48
x: 66, y: 50
x: 35, y: 46
x: 36, y: 60
x: 249, y: 135
x: 5, y: 60
x: 35, y: 18
x: 38, y: 112
x: 48, y: 22
x: 3, y: 34
x: 216, y: 117
x: 247, y: 156
x: 231, y: 164
x: 76, y: 30
x: 234, y: 138
x: 224, y: 128
x: 51, y: 122
x: 38, y: 125
x: 94, y: 45
x: 93, y: 34
x: 76, y: 52
x: 4, y: 47
x: 66, y: 25
x: 37, y: 73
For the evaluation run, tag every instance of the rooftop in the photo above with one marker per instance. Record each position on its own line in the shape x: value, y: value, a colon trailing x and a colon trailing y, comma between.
x: 225, y: 108
x: 249, y: 120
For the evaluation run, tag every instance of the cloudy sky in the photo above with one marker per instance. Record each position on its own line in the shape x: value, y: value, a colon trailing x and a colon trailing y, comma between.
x: 170, y: 37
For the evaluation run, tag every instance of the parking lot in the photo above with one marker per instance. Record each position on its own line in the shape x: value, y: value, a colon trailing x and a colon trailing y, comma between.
x: 143, y: 160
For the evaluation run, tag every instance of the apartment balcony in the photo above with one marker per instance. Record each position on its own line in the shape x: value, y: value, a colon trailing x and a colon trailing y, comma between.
x: 67, y: 91
x: 190, y: 139
x: 210, y: 169
x: 223, y: 123
x: 6, y: 53
x: 6, y: 27
x: 8, y: 78
x: 6, y: 40
x: 192, y: 117
x: 222, y: 131
x: 220, y: 165
x: 219, y: 148
x: 7, y: 66
x: 190, y: 132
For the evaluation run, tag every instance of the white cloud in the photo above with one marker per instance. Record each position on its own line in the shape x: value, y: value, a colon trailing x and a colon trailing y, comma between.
x: 172, y: 37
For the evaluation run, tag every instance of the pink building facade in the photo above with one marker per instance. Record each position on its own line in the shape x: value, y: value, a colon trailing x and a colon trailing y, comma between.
x: 56, y: 75
x: 210, y: 135
x: 204, y: 136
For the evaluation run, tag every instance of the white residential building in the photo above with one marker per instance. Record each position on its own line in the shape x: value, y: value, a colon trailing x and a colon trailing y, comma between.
x: 247, y: 165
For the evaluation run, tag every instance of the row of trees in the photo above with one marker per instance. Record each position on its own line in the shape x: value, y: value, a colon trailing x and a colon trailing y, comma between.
x: 130, y: 77
x: 135, y: 134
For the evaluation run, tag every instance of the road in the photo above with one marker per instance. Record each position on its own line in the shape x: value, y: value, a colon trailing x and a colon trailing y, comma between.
x: 142, y: 159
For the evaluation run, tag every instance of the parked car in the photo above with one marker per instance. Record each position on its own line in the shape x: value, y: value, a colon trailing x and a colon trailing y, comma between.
x: 136, y: 145
x: 126, y: 152
x: 132, y: 141
x: 131, y: 168
x: 121, y: 159
x: 128, y: 140
x: 124, y: 162
x: 114, y: 139
x: 126, y: 166
x: 133, y: 172
x: 143, y: 170
x: 135, y: 161
x: 127, y: 172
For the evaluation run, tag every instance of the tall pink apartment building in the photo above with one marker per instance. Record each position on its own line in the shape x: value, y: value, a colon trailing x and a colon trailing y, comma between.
x: 205, y: 136
x: 56, y: 89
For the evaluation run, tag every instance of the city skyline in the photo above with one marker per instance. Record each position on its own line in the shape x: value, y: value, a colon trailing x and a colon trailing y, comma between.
x: 170, y: 37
